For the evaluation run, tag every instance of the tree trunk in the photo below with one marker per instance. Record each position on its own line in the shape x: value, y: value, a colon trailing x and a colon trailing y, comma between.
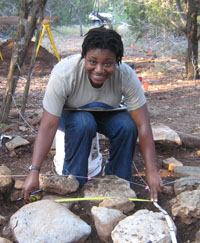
x: 192, y: 37
x: 189, y: 141
x: 77, y: 13
x: 25, y: 30
x: 32, y: 63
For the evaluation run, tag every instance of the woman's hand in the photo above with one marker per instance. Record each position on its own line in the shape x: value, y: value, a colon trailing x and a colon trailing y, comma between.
x: 31, y: 184
x: 155, y: 184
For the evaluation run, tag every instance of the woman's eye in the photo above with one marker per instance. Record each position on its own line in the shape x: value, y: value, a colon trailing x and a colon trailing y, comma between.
x: 107, y: 64
x: 92, y: 62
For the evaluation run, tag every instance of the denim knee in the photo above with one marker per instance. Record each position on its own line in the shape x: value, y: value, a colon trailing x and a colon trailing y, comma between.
x: 85, y: 123
x: 129, y: 128
x: 78, y: 122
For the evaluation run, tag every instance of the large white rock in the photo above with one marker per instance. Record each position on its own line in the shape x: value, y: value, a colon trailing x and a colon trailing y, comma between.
x: 142, y: 227
x: 105, y: 220
x: 68, y: 205
x: 110, y: 186
x: 47, y: 221
x: 4, y: 240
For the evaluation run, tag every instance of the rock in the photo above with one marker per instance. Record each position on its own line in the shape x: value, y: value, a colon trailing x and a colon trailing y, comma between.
x: 111, y: 186
x: 198, y: 153
x: 168, y: 190
x: 187, y: 206
x: 6, y: 182
x: 4, y: 170
x: 23, y: 128
x: 6, y: 232
x: 197, y: 236
x: 171, y: 163
x: 186, y: 184
x: 164, y: 134
x: 188, y: 171
x: 18, y: 184
x: 12, y: 154
x: 59, y: 184
x: 16, y: 142
x: 142, y: 227
x: 189, y: 141
x: 15, y: 194
x: 4, y: 240
x: 105, y: 220
x: 55, y: 197
x: 2, y: 220
x: 122, y: 204
x: 47, y: 221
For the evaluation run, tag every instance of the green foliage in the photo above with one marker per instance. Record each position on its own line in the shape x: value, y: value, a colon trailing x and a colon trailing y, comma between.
x: 2, y: 125
x: 137, y: 16
x: 9, y: 8
x: 154, y: 15
x: 67, y: 11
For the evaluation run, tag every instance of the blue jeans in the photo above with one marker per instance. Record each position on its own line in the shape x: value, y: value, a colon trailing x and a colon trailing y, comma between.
x: 80, y: 128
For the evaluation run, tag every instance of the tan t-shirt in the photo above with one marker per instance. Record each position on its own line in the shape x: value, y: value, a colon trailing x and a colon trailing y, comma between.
x: 69, y: 87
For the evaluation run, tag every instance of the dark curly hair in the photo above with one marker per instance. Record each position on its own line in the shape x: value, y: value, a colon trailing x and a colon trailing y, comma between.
x: 103, y: 38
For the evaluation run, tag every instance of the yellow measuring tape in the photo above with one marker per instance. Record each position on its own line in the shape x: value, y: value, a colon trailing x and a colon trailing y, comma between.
x: 97, y: 199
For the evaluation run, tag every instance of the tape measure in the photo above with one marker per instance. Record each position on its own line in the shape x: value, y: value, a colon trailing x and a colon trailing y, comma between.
x: 97, y: 199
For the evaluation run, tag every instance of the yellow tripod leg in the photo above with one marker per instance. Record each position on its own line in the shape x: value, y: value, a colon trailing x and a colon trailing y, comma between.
x: 1, y: 57
x: 40, y: 40
x: 52, y: 41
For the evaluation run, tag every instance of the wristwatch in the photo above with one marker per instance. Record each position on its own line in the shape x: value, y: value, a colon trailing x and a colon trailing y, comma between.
x: 33, y: 167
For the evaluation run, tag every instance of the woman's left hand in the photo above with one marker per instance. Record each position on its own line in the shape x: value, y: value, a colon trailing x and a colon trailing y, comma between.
x: 155, y: 184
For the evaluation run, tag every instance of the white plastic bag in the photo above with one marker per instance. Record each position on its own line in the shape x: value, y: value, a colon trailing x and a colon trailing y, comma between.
x: 94, y: 160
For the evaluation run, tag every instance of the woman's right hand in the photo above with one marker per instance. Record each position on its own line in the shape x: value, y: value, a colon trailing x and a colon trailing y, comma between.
x: 31, y: 184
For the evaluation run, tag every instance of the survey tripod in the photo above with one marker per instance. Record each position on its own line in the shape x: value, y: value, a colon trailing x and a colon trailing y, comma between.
x: 45, y: 27
x: 48, y: 29
x: 1, y: 57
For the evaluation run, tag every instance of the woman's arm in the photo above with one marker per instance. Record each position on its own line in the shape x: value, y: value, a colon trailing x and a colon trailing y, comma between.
x: 43, y: 142
x: 141, y: 118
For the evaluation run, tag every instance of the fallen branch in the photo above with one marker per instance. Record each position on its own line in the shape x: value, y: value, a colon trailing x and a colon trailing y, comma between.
x: 15, y: 20
x: 189, y: 141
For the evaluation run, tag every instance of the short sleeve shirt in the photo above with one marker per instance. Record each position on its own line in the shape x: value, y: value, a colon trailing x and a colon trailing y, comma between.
x: 69, y: 87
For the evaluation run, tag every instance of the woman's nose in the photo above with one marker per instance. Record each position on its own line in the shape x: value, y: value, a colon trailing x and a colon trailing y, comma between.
x: 99, y: 68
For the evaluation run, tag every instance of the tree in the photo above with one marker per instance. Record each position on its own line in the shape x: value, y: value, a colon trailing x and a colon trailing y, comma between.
x: 80, y: 11
x: 31, y: 11
x: 189, y: 19
x: 180, y: 15
x: 71, y: 12
x: 8, y: 8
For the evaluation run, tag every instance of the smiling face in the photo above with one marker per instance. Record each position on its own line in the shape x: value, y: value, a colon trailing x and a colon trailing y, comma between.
x: 99, y: 65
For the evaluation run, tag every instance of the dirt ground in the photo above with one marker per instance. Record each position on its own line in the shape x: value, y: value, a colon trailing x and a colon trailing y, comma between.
x: 172, y: 101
